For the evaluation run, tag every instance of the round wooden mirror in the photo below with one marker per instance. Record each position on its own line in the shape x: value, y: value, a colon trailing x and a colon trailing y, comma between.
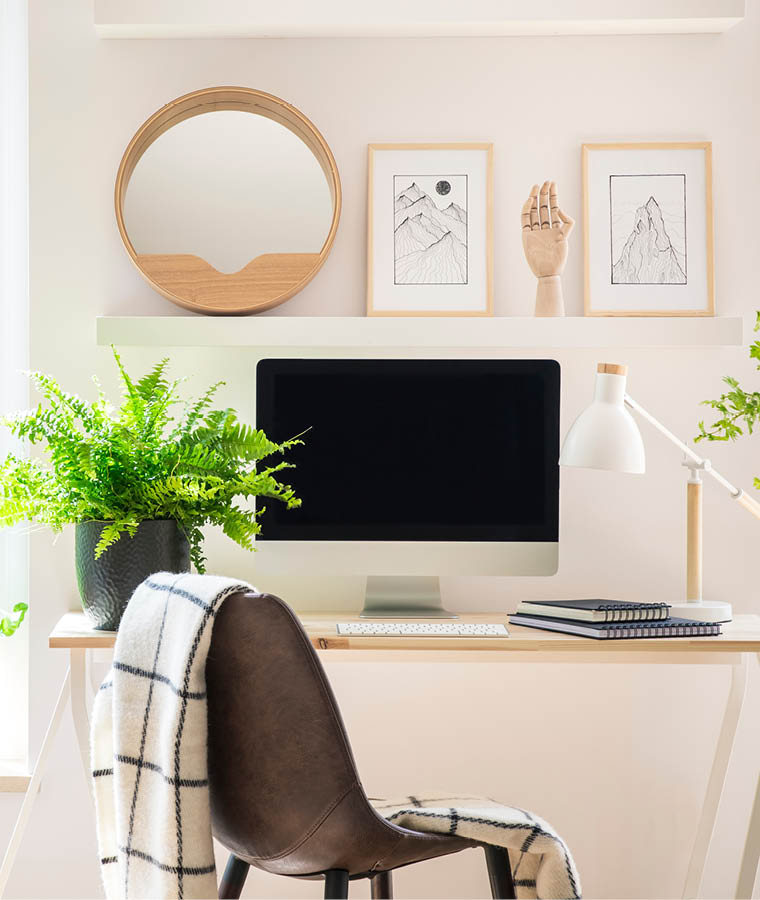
x: 228, y: 200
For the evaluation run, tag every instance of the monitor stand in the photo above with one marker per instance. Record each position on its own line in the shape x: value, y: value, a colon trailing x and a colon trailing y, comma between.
x: 404, y: 596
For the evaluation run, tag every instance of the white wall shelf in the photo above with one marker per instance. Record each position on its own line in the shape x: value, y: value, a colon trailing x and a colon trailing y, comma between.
x: 358, y: 331
x: 409, y: 18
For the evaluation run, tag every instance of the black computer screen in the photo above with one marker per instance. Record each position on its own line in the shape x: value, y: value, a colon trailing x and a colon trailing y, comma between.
x: 414, y: 450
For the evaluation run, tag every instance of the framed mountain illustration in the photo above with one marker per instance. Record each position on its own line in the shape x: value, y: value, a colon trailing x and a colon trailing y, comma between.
x: 648, y: 229
x: 429, y: 244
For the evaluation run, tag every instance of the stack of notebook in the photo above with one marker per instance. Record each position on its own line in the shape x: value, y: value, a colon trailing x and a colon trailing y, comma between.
x: 608, y: 619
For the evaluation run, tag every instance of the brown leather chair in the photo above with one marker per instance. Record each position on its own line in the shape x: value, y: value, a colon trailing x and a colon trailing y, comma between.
x: 285, y: 793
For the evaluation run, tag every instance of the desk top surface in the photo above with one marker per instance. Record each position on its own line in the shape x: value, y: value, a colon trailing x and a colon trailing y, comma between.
x: 74, y: 631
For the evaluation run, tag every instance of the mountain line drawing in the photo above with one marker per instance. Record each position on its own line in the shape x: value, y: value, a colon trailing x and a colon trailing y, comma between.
x: 429, y: 242
x: 648, y: 256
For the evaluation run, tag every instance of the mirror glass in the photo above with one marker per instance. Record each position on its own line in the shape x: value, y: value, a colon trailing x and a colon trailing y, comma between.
x: 228, y: 186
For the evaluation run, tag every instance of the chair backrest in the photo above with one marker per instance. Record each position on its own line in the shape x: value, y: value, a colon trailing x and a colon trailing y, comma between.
x: 279, y: 757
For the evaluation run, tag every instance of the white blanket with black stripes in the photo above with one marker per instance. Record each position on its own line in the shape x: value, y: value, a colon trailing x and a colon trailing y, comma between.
x: 542, y: 865
x: 150, y: 766
x: 149, y: 743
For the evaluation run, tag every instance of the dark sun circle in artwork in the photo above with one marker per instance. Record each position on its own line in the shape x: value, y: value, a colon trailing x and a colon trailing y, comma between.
x: 443, y: 187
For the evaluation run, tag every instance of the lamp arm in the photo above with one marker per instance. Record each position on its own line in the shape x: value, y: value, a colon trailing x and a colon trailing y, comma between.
x: 744, y: 499
x: 685, y: 449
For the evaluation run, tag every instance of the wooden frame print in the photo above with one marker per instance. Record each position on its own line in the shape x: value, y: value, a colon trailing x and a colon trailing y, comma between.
x: 648, y: 229
x: 430, y: 229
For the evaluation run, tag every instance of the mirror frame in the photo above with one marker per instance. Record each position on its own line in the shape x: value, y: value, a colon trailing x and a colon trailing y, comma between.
x: 188, y: 280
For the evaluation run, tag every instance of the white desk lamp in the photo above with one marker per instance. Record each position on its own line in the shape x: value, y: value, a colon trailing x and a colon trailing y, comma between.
x: 605, y: 436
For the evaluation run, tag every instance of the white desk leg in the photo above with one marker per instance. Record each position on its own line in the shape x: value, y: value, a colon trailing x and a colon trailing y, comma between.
x: 94, y: 684
x: 34, y: 784
x: 751, y: 854
x: 706, y: 825
x: 79, y: 708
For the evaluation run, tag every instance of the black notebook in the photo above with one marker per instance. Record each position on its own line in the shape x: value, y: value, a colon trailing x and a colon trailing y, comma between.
x: 595, y: 610
x: 666, y: 628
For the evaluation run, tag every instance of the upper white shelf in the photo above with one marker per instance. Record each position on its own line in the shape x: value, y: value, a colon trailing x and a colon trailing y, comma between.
x: 358, y: 331
x: 409, y: 18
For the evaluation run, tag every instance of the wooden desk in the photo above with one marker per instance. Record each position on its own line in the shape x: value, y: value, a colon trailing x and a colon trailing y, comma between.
x: 73, y: 632
x: 737, y: 647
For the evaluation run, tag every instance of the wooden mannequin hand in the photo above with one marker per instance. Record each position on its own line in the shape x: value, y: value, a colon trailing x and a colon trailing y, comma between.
x: 545, y: 230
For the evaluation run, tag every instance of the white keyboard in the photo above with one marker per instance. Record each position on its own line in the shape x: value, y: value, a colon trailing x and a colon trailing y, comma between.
x: 419, y: 629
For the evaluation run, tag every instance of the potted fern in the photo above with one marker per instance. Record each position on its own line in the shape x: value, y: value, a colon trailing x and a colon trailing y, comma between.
x: 137, y: 482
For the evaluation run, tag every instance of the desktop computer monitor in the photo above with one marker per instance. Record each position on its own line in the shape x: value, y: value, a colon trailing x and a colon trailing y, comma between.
x: 412, y: 469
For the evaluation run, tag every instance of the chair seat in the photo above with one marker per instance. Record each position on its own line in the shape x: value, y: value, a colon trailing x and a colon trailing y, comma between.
x: 416, y: 846
x: 356, y: 838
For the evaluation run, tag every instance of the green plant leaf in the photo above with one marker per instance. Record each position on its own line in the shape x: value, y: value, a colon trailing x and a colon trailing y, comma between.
x: 738, y: 409
x: 9, y: 625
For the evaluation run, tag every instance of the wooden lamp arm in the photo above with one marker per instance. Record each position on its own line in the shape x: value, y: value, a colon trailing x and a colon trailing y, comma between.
x: 749, y: 503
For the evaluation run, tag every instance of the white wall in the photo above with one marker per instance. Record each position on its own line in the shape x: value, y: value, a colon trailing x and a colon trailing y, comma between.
x: 616, y: 757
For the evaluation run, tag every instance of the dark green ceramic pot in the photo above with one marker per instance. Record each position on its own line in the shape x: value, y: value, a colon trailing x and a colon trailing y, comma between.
x: 106, y: 584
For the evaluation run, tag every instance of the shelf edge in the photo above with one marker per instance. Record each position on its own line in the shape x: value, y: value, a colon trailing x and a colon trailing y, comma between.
x: 278, y: 332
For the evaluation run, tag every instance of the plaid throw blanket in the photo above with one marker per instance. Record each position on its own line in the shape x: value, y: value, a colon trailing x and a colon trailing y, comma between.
x: 150, y: 765
x: 149, y: 742
x: 541, y: 863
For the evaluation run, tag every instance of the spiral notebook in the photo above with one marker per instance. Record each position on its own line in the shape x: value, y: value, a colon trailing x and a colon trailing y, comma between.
x: 595, y: 610
x: 613, y: 631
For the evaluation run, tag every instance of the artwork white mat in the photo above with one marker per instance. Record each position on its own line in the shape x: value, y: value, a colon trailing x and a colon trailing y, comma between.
x: 648, y: 229
x: 429, y: 229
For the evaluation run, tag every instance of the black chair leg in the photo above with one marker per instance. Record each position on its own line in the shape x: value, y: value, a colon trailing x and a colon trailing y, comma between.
x: 499, y: 873
x: 381, y: 886
x: 336, y: 884
x: 235, y: 873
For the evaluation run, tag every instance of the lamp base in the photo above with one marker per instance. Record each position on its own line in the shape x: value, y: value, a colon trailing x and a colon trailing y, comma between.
x: 702, y: 610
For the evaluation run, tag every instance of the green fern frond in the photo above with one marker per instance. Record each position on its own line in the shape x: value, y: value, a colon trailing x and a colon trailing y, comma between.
x: 197, y: 557
x: 66, y: 402
x: 246, y: 442
x: 157, y: 409
x: 194, y: 411
x: 133, y: 407
x: 154, y: 381
x: 108, y: 537
x: 241, y: 526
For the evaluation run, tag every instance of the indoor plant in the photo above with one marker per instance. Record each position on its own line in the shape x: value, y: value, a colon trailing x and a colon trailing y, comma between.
x: 735, y: 406
x: 138, y: 482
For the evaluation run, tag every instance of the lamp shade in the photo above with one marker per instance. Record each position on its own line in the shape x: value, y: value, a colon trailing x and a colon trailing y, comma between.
x: 605, y: 436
